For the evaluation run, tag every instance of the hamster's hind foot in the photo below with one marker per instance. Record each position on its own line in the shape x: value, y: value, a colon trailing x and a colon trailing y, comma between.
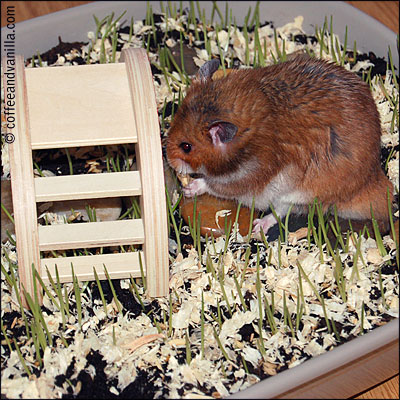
x: 264, y: 223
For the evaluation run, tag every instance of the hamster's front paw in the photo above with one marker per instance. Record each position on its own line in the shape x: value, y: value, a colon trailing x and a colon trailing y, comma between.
x: 263, y: 223
x: 196, y: 187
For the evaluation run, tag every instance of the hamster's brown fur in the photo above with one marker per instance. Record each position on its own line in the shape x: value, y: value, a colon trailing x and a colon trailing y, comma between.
x: 285, y: 134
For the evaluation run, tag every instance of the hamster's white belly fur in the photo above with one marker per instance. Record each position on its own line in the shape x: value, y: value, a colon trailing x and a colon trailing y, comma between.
x: 280, y: 192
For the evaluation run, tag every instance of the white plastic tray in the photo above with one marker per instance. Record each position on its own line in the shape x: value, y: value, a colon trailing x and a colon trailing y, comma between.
x: 41, y: 34
x: 353, y: 366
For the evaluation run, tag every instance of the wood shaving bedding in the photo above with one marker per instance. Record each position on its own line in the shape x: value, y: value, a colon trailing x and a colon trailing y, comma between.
x: 126, y: 355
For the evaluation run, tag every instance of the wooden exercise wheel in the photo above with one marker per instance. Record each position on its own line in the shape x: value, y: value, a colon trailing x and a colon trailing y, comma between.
x: 86, y: 105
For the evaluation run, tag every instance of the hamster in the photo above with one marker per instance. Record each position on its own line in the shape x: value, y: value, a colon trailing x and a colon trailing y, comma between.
x: 284, y: 135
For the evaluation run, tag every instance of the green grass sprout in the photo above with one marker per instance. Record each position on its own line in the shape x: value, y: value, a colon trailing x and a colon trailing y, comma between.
x: 117, y: 302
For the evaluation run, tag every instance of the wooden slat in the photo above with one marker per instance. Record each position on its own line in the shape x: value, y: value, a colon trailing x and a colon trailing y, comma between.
x: 89, y: 186
x: 23, y: 192
x: 119, y: 266
x: 80, y: 105
x: 149, y: 161
x: 91, y: 234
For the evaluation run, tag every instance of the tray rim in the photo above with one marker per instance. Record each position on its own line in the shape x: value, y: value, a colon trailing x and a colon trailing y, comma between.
x: 299, y: 382
x: 77, y: 20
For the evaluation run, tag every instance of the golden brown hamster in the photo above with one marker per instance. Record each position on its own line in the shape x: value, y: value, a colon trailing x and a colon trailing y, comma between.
x: 283, y: 134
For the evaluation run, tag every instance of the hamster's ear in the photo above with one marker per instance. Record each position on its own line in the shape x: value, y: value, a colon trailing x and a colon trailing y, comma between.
x: 206, y: 70
x: 222, y: 132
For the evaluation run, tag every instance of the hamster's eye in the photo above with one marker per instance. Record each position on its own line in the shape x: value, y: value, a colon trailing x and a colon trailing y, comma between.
x: 186, y: 147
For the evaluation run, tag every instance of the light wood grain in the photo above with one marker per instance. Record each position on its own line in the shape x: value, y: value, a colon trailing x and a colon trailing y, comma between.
x: 90, y: 186
x: 387, y: 12
x: 80, y: 105
x: 150, y: 164
x: 91, y: 234
x: 23, y: 191
x: 119, y: 266
x: 72, y: 106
